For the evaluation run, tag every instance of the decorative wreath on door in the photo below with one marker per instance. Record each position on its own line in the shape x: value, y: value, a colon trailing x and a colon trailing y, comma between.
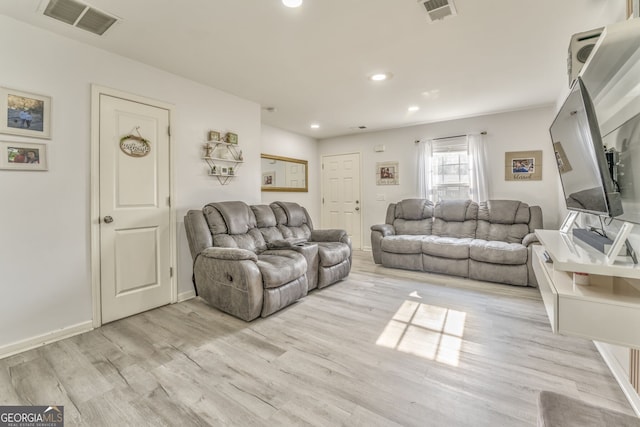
x: 135, y: 145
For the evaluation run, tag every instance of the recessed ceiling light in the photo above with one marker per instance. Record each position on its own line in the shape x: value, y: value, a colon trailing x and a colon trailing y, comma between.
x: 413, y: 108
x: 315, y: 126
x: 292, y: 3
x: 378, y: 77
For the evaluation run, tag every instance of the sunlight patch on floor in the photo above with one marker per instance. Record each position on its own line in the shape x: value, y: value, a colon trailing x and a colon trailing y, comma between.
x: 428, y: 331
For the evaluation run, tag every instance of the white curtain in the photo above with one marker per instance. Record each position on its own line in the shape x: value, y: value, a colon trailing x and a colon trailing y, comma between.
x: 425, y: 177
x: 479, y: 190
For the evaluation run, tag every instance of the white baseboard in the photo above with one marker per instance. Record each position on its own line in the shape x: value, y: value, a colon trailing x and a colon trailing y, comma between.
x: 48, y: 338
x: 621, y: 377
x: 183, y: 296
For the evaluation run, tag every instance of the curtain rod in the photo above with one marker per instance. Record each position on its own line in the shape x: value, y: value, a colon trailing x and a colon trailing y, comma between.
x: 484, y: 132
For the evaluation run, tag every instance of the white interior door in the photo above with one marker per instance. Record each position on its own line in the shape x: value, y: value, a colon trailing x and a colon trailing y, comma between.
x: 135, y: 213
x: 341, y: 207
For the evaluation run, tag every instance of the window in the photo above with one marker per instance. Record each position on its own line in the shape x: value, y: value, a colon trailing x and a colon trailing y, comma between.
x: 450, y: 169
x: 453, y: 168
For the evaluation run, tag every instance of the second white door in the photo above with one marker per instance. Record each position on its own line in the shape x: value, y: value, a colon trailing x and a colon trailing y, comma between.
x: 341, y: 206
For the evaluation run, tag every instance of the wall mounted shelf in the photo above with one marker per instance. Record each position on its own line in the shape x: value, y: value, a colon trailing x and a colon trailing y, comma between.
x: 223, y: 168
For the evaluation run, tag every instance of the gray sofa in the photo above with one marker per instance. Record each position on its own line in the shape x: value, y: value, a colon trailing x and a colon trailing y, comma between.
x: 489, y: 241
x: 252, y: 261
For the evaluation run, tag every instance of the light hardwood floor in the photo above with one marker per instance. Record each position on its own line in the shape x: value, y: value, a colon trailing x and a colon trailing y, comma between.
x: 384, y: 347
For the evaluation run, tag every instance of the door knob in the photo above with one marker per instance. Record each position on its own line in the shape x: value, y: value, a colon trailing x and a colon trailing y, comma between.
x: 357, y: 208
x: 108, y: 219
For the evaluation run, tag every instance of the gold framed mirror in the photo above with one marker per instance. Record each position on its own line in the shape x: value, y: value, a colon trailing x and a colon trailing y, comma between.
x: 284, y: 173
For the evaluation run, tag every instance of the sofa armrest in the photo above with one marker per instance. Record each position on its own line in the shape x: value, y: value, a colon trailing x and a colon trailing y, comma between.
x: 329, y: 235
x: 379, y: 232
x: 285, y: 243
x: 230, y: 280
x: 384, y: 229
x: 229, y: 254
x: 530, y: 239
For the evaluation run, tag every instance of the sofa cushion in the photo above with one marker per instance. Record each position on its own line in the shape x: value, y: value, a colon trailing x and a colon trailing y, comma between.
x: 455, y: 218
x: 332, y: 253
x: 279, y: 267
x: 238, y: 217
x: 456, y: 210
x: 252, y: 241
x: 415, y: 227
x: 402, y: 244
x: 460, y: 230
x: 294, y: 212
x: 504, y: 220
x: 446, y: 247
x: 497, y: 252
x: 504, y: 212
x: 264, y: 216
x: 414, y: 209
x: 502, y: 232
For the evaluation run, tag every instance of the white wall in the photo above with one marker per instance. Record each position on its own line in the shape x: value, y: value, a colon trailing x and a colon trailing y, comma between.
x: 514, y: 131
x: 279, y: 142
x: 45, y: 232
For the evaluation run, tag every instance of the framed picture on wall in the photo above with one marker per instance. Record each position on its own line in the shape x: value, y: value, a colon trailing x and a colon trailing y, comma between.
x: 523, y: 166
x: 387, y: 173
x: 269, y: 179
x: 23, y: 156
x: 25, y: 114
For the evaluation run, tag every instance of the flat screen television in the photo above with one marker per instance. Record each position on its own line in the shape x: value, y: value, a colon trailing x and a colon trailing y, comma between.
x: 580, y: 156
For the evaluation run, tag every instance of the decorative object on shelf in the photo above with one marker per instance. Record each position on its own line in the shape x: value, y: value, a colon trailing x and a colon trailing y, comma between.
x: 523, y: 165
x: 231, y: 171
x: 240, y: 156
x: 135, y: 145
x: 580, y: 279
x: 563, y: 163
x: 387, y: 173
x: 214, y: 136
x: 27, y: 114
x: 208, y: 150
x: 231, y: 138
x: 23, y: 156
x: 214, y: 170
x: 224, y: 170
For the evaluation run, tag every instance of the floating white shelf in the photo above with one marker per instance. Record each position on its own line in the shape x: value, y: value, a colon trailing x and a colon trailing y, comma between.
x: 607, y: 310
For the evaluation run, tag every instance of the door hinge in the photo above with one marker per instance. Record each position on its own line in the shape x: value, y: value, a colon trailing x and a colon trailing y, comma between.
x: 169, y: 130
x: 323, y: 200
x: 323, y: 166
x: 170, y: 271
x: 169, y: 201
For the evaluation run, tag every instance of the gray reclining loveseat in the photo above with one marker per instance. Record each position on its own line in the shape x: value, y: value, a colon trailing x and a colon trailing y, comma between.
x: 252, y: 261
x: 487, y: 241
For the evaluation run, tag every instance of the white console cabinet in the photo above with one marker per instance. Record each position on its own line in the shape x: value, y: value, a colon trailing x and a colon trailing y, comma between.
x: 607, y: 310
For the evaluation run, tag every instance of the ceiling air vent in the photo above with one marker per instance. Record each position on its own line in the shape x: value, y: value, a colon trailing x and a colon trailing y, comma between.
x: 439, y: 9
x: 80, y: 15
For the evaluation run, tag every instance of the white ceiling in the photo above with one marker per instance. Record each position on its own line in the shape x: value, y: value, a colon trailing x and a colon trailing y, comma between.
x: 312, y: 63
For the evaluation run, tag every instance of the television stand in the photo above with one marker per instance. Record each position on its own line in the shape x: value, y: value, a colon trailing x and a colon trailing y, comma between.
x: 604, y: 310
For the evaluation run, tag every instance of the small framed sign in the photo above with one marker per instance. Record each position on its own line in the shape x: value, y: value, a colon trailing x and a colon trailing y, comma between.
x: 523, y: 166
